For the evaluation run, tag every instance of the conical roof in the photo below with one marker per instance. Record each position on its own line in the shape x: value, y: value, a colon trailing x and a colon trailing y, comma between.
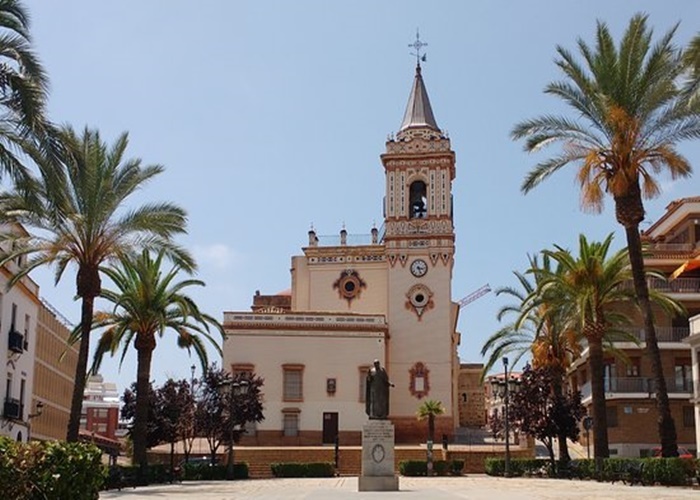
x: 418, y: 110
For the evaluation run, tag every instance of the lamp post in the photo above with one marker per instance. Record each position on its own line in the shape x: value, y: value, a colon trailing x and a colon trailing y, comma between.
x: 587, y: 425
x: 39, y: 410
x: 233, y: 390
x: 502, y: 389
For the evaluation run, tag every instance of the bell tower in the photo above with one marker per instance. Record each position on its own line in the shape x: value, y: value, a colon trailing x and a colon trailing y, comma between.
x: 419, y: 242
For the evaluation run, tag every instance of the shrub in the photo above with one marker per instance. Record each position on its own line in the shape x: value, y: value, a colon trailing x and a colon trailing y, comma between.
x: 456, y: 467
x: 413, y: 468
x: 440, y: 467
x: 51, y: 469
x: 296, y: 469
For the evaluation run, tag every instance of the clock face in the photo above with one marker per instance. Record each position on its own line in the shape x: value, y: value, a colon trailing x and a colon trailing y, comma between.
x: 419, y: 267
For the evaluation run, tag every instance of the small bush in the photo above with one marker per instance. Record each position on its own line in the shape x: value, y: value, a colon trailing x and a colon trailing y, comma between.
x: 296, y: 469
x: 51, y: 469
x: 456, y: 467
x: 413, y: 468
x: 440, y: 467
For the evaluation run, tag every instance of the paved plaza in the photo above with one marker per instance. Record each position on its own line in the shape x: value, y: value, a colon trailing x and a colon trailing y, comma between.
x: 473, y: 487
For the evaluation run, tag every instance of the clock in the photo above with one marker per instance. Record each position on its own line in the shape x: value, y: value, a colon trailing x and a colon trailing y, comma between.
x: 418, y: 268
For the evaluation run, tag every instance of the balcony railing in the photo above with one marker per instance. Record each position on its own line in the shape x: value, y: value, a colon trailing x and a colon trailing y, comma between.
x: 13, y: 409
x: 678, y: 285
x: 15, y: 341
x: 663, y: 333
x: 637, y: 385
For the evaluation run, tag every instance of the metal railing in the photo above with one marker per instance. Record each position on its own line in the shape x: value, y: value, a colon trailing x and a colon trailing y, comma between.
x: 638, y: 385
x: 678, y: 285
x: 663, y: 333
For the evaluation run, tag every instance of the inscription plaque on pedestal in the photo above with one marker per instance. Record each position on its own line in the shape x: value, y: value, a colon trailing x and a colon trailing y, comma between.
x: 378, y: 457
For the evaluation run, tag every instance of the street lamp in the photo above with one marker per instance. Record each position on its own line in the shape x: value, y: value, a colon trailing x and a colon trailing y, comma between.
x: 502, y: 388
x: 232, y: 390
x: 39, y: 410
x: 587, y: 425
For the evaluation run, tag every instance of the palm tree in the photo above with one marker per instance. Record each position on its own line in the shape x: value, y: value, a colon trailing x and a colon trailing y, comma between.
x: 589, y: 290
x: 630, y: 113
x: 537, y: 330
x: 691, y: 58
x: 23, y: 92
x: 149, y: 301
x: 82, y: 222
x: 430, y: 409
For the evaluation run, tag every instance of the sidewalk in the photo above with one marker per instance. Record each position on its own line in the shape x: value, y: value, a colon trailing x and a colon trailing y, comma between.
x: 473, y: 487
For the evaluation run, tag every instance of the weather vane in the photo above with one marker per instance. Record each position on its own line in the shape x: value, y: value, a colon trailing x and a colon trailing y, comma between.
x: 417, y: 46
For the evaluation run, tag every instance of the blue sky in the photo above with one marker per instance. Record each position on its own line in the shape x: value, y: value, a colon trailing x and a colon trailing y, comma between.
x: 271, y: 115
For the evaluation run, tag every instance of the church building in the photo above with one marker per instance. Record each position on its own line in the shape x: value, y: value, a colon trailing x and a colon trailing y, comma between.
x: 388, y: 297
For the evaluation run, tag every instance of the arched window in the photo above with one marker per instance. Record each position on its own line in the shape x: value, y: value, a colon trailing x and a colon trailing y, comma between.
x: 418, y: 201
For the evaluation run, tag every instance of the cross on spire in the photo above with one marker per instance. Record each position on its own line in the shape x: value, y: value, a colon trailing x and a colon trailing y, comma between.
x: 417, y: 46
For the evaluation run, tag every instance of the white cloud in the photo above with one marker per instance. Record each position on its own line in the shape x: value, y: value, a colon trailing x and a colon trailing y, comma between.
x: 217, y: 255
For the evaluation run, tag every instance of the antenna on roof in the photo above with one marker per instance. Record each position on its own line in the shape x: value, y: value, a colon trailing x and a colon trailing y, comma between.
x: 417, y: 46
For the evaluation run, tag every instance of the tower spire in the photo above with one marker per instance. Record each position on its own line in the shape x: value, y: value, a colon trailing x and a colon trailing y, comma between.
x: 419, y: 113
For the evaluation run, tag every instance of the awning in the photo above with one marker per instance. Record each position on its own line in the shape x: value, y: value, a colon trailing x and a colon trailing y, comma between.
x: 689, y: 265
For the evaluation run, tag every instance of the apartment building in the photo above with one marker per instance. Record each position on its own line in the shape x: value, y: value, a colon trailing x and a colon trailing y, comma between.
x: 632, y: 429
x: 18, y: 315
x: 54, y: 372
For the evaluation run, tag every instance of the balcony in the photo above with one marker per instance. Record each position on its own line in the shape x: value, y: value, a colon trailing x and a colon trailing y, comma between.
x: 15, y: 341
x: 663, y: 333
x: 679, y: 285
x: 639, y: 385
x: 13, y: 409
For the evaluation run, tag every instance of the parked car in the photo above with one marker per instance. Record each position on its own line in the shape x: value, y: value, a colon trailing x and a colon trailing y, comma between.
x: 200, y: 461
x: 682, y: 453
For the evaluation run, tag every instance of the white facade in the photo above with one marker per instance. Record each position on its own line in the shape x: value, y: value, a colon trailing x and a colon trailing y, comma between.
x: 19, y: 309
x: 694, y: 341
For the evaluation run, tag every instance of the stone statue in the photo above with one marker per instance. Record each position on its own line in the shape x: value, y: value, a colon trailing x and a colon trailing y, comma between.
x: 377, y: 392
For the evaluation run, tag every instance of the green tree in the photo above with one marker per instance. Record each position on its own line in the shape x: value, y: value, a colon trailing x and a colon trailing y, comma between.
x: 430, y: 409
x: 79, y: 219
x: 630, y: 112
x: 148, y: 302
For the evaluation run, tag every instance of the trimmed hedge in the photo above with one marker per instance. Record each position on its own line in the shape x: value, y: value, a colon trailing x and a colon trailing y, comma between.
x: 50, y: 469
x: 440, y: 467
x: 648, y: 471
x: 297, y: 469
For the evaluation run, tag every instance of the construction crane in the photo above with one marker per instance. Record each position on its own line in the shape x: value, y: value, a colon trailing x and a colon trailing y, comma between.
x: 474, y: 295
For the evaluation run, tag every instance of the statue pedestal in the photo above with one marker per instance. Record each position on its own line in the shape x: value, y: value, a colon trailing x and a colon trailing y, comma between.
x: 378, y: 457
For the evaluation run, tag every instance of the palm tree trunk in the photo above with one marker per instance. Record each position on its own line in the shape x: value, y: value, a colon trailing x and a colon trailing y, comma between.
x: 76, y: 407
x: 144, y: 349
x: 600, y: 420
x: 561, y: 437
x: 666, y: 425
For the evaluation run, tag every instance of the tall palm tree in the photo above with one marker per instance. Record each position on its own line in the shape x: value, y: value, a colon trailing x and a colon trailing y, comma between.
x: 83, y: 222
x: 23, y: 92
x: 429, y: 410
x: 148, y: 302
x: 691, y: 57
x: 629, y: 114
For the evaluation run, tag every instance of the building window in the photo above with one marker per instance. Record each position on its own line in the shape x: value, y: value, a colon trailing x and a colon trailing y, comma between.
x: 291, y: 424
x: 688, y: 416
x: 100, y: 413
x: 22, y: 391
x: 683, y: 375
x: 13, y: 323
x: 633, y: 367
x: 364, y: 370
x: 608, y: 375
x: 8, y: 386
x: 418, y: 200
x: 293, y: 382
x: 611, y: 413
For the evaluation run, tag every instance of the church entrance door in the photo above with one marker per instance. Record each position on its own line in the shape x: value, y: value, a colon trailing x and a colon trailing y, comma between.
x: 330, y: 427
